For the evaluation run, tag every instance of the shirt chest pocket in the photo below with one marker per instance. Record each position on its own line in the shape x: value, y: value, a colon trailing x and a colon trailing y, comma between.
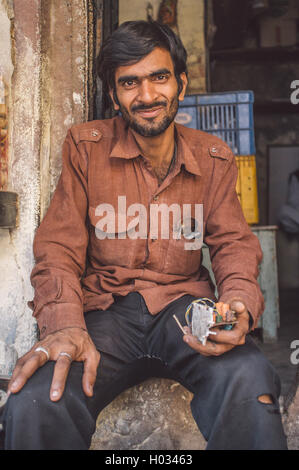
x: 183, y: 255
x: 114, y: 238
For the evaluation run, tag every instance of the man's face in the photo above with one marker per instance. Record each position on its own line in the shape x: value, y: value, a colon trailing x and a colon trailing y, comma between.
x: 147, y: 93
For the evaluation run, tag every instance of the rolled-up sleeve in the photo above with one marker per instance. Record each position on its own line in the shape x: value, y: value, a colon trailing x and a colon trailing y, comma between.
x: 234, y: 250
x: 59, y: 247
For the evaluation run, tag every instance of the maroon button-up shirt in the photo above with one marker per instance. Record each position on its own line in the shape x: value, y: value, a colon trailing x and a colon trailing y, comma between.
x: 76, y: 271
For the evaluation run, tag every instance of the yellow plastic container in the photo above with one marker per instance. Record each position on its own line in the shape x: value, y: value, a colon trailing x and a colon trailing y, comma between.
x: 247, y: 187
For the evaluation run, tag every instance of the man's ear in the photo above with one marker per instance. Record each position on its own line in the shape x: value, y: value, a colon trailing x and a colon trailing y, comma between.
x: 184, y: 83
x: 112, y: 94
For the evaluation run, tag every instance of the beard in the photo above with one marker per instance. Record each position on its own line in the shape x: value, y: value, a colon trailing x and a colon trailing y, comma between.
x: 151, y: 128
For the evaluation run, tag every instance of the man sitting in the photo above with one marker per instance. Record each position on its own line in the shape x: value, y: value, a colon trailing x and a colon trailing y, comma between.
x: 108, y: 282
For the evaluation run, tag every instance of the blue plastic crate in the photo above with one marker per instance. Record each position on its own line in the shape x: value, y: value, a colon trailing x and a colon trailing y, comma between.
x: 227, y: 115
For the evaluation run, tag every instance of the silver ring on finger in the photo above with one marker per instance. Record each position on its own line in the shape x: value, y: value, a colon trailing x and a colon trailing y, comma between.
x: 63, y: 353
x: 44, y: 350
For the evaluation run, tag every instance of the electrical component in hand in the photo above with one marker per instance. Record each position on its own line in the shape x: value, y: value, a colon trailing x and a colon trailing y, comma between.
x: 202, y: 315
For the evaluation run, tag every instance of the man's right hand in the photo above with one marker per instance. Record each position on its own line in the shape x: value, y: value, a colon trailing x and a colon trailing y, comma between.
x: 77, y: 343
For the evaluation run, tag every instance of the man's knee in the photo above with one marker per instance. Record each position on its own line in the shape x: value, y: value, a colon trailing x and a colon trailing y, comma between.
x: 33, y: 421
x: 34, y: 397
x: 256, y: 377
x: 245, y: 373
x: 265, y: 399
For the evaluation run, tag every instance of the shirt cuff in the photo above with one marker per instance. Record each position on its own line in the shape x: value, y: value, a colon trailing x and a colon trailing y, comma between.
x: 54, y: 317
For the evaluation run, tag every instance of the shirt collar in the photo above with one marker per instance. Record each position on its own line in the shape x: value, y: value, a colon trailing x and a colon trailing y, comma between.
x: 126, y: 147
x: 185, y: 153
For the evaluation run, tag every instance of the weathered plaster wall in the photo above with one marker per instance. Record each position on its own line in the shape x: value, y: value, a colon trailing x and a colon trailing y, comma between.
x: 191, y: 29
x: 17, y: 326
x: 6, y: 69
x: 64, y: 85
x: 44, y: 50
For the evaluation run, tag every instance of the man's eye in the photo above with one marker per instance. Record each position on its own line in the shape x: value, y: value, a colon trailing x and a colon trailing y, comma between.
x: 161, y: 78
x: 129, y: 83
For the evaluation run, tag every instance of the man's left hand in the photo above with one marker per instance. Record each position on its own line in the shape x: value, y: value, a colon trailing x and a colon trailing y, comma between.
x: 224, y: 340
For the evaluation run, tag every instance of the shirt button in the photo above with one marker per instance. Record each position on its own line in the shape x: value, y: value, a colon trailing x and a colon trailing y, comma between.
x: 155, y: 198
x: 94, y: 133
x: 213, y: 149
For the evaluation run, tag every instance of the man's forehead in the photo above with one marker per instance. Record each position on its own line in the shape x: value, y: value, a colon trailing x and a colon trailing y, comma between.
x: 156, y: 60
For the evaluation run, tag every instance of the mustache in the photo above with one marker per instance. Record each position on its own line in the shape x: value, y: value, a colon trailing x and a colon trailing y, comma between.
x: 143, y: 107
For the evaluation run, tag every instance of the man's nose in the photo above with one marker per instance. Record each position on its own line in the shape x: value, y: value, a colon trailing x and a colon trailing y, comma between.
x: 147, y: 92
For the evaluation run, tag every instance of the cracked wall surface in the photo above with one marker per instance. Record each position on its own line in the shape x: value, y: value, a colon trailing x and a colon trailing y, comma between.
x: 64, y: 83
x: 43, y: 52
x: 21, y: 63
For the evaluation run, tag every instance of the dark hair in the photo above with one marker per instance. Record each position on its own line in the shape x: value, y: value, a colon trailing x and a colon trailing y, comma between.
x: 132, y: 41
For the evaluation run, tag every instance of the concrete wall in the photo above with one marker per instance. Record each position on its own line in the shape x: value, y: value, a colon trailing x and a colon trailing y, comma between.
x: 17, y: 327
x: 44, y: 53
x: 64, y: 83
x: 6, y: 67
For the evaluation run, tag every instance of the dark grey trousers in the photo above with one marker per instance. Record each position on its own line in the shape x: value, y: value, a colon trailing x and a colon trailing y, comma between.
x: 134, y: 346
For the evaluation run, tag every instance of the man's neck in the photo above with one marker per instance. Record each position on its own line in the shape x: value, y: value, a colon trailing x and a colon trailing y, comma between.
x: 159, y: 149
